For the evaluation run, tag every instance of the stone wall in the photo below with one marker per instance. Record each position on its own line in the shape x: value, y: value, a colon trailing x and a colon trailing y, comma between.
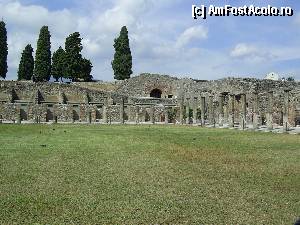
x: 181, y: 101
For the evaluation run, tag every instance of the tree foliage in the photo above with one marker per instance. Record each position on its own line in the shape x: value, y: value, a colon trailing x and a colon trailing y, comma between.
x: 58, y: 64
x: 3, y: 50
x: 122, y: 62
x: 42, y: 69
x: 76, y: 67
x: 26, y: 65
x: 86, y: 69
x: 73, y: 48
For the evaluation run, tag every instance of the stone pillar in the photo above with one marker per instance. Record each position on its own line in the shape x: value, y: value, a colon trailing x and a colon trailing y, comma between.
x: 211, y: 110
x: 130, y: 110
x: 166, y: 111
x: 36, y: 114
x: 187, y: 111
x: 122, y: 111
x: 221, y: 110
x: 86, y: 98
x: 89, y: 117
x: 62, y: 97
x: 202, y: 111
x: 243, y: 112
x: 137, y: 112
x: 152, y: 114
x: 255, y: 111
x: 195, y: 108
x: 181, y: 109
x: 19, y: 121
x: 231, y: 110
x: 270, y: 111
x: 286, y: 111
x: 105, y: 108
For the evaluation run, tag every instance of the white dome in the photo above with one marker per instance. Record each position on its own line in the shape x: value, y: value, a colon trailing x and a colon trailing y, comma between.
x: 272, y: 76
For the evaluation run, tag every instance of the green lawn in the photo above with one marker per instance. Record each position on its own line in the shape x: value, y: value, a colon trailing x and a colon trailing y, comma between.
x: 77, y: 174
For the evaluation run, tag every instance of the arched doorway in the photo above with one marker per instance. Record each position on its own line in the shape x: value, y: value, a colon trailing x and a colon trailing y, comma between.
x: 155, y: 93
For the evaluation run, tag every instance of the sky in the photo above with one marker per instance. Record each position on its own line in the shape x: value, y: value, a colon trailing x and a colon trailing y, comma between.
x: 164, y: 38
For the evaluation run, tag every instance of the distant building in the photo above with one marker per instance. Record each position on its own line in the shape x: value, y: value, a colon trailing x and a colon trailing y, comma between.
x: 272, y: 76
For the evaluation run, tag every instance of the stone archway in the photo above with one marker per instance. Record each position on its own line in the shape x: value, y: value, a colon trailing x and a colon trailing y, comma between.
x: 156, y: 93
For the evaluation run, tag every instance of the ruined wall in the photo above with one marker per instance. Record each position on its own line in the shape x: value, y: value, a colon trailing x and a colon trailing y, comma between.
x: 82, y: 102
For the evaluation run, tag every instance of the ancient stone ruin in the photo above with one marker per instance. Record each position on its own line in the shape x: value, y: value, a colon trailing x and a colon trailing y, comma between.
x: 149, y: 98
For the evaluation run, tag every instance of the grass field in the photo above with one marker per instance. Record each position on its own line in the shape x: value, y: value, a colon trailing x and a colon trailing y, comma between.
x: 77, y: 174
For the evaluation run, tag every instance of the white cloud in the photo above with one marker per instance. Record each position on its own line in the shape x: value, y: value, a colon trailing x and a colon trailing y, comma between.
x: 191, y: 34
x: 162, y: 38
x: 251, y: 53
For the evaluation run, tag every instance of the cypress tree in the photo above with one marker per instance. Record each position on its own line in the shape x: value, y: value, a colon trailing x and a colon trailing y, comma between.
x: 42, y: 69
x: 3, y: 50
x: 73, y: 58
x: 122, y: 62
x: 26, y: 65
x: 86, y: 69
x: 58, y: 64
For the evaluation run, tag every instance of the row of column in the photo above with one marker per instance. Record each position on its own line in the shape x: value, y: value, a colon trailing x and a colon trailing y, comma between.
x: 230, y: 112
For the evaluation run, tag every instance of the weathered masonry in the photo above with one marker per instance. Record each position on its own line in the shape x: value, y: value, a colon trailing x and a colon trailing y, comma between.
x: 148, y: 98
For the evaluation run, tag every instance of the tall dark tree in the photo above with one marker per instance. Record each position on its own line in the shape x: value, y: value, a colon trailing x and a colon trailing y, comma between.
x: 86, y: 69
x: 3, y: 50
x: 42, y: 68
x: 73, y: 57
x: 122, y: 62
x: 58, y: 64
x: 26, y: 65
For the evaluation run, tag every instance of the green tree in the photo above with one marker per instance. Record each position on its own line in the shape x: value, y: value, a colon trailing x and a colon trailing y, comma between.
x: 73, y: 58
x: 58, y: 64
x: 290, y: 79
x: 42, y: 69
x: 86, y: 69
x: 26, y: 65
x: 122, y: 62
x: 3, y: 50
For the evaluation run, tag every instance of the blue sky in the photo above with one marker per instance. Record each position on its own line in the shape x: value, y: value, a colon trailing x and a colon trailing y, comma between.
x: 164, y: 37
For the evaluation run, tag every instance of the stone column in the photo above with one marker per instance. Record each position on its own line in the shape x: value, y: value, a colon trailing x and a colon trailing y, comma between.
x: 105, y: 108
x: 255, y: 110
x: 89, y: 116
x: 152, y: 116
x: 195, y: 108
x: 202, y: 111
x: 181, y: 111
x: 122, y: 111
x: 221, y: 110
x: 187, y: 111
x: 231, y: 110
x: 286, y: 111
x: 166, y: 111
x: 137, y: 112
x: 211, y: 110
x: 130, y: 110
x: 270, y: 111
x: 243, y: 112
x: 36, y: 114
x: 19, y: 121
